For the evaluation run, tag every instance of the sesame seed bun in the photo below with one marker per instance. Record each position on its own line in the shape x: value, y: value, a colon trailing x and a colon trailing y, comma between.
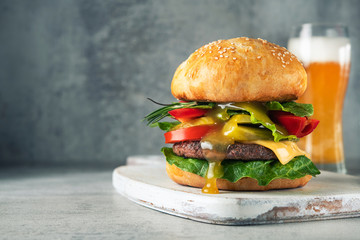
x: 245, y: 184
x: 240, y: 70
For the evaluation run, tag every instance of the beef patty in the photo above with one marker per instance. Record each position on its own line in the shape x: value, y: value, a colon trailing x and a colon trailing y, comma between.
x: 240, y: 151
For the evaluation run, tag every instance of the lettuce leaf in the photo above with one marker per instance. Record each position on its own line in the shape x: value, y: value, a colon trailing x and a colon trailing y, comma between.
x: 298, y: 109
x: 192, y: 165
x: 263, y: 171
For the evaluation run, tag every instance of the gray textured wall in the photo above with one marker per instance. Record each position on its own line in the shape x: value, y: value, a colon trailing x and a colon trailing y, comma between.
x: 74, y: 75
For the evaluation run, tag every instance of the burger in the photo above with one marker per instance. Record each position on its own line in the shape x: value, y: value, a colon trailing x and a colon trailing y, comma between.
x: 235, y: 124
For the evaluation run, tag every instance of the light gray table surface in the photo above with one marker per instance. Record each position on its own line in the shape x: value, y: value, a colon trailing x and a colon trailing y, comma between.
x: 67, y: 203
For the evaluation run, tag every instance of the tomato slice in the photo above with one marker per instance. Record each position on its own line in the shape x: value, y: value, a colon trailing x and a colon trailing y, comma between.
x: 191, y: 133
x: 311, y: 125
x: 184, y: 114
x: 298, y: 126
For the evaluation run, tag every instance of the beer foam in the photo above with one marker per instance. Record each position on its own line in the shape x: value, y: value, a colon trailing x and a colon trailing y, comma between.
x: 321, y: 49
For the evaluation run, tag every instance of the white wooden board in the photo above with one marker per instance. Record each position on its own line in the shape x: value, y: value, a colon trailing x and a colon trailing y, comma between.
x: 327, y: 196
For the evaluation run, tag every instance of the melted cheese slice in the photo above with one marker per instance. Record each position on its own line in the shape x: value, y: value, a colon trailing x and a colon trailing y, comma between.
x: 285, y: 151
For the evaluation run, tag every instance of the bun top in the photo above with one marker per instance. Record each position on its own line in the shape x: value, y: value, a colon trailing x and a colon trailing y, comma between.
x: 240, y: 70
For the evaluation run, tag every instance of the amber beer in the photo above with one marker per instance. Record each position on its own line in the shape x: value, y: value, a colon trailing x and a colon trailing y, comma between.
x: 326, y: 91
x: 327, y: 63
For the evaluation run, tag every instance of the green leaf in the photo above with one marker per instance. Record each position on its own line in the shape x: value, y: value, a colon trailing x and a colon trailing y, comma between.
x: 298, y: 109
x: 266, y: 171
x: 192, y: 165
x: 165, y: 126
x: 263, y: 171
x: 163, y: 112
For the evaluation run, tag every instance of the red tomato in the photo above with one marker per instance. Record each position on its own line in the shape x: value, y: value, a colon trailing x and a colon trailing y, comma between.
x: 184, y: 114
x: 298, y: 126
x: 191, y: 133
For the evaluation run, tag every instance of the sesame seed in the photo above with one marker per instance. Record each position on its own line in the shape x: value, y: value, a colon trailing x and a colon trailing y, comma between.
x: 226, y: 56
x: 210, y: 51
x: 247, y: 39
x: 234, y: 58
x: 279, y: 54
x: 258, y: 57
x: 290, y: 59
x: 232, y: 43
x: 283, y: 66
x: 221, y: 56
x: 232, y: 51
x: 272, y: 50
x: 287, y: 62
x: 216, y: 58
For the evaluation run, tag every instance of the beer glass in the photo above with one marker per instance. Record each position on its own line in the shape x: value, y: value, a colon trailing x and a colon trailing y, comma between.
x: 324, y: 50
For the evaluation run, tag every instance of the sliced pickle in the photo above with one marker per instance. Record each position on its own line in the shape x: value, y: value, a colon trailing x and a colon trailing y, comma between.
x: 240, y: 119
x: 243, y: 133
x: 195, y: 122
x: 219, y: 113
x: 258, y: 111
x: 237, y: 132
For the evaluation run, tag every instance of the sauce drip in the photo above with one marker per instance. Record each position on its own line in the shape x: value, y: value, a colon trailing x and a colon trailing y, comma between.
x: 210, y: 185
x: 214, y: 146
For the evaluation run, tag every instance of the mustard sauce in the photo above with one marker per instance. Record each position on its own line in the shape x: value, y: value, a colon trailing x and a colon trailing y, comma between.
x: 210, y: 184
x: 214, y: 146
x: 233, y: 129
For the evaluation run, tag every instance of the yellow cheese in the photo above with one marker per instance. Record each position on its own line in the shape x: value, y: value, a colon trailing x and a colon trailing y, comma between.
x: 285, y: 151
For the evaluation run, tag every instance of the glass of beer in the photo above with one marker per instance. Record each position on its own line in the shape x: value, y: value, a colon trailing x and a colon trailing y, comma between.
x: 324, y: 50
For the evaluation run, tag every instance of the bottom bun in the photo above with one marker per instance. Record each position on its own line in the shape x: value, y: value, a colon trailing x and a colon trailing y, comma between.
x: 245, y: 184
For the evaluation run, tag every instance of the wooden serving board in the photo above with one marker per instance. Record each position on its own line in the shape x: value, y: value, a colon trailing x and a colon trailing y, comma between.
x: 327, y: 196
